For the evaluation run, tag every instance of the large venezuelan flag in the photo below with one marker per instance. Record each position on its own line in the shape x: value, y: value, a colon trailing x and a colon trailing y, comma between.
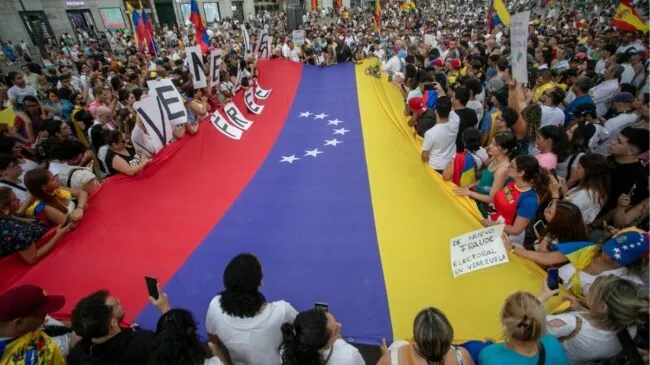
x: 326, y: 188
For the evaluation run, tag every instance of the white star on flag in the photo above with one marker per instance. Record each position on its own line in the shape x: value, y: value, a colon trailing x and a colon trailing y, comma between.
x: 332, y: 142
x: 306, y: 114
x: 617, y: 250
x: 341, y: 131
x: 617, y: 256
x: 624, y: 247
x: 320, y: 116
x: 335, y: 122
x: 289, y: 159
x: 315, y: 152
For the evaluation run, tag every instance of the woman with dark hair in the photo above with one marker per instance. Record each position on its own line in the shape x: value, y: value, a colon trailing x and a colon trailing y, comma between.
x: 502, y: 149
x: 593, y: 187
x: 122, y: 158
x: 431, y: 345
x: 20, y: 232
x: 314, y: 338
x: 52, y: 203
x: 53, y: 104
x: 516, y: 204
x: 552, y: 145
x: 240, y: 316
x: 565, y: 224
x: 577, y: 147
x: 177, y: 343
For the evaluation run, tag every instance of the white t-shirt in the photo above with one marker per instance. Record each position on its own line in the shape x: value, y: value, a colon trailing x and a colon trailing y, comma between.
x: 589, y: 344
x: 628, y: 73
x: 251, y: 341
x: 213, y: 361
x: 342, y: 353
x: 552, y: 115
x: 586, y: 280
x: 392, y: 65
x: 611, y: 129
x: 286, y: 51
x: 293, y: 54
x: 440, y: 141
x: 587, y: 202
x: 17, y: 94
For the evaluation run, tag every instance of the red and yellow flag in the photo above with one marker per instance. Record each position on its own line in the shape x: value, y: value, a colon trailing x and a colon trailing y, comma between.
x: 626, y: 18
x: 378, y: 15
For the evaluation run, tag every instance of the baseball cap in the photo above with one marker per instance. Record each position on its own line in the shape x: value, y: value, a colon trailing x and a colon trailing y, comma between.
x: 627, y: 246
x: 624, y: 97
x: 28, y: 301
x: 585, y: 109
x: 417, y: 105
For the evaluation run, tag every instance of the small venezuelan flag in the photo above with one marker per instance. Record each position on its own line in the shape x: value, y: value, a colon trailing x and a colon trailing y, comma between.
x: 497, y: 14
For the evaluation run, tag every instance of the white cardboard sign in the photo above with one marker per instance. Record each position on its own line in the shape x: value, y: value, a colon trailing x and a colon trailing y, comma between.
x: 154, y: 117
x: 261, y: 93
x: 264, y: 45
x: 477, y: 250
x: 171, y: 99
x: 519, y: 46
x: 197, y: 69
x: 236, y: 117
x: 249, y: 100
x: 219, y: 122
x: 215, y: 66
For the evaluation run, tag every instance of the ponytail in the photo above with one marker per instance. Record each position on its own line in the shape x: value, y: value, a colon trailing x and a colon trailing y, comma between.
x: 534, y: 174
x: 559, y: 138
x: 303, y: 339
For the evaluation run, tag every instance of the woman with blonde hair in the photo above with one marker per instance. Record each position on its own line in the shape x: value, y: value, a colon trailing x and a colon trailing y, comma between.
x: 431, y: 344
x: 590, y: 333
x: 526, y: 341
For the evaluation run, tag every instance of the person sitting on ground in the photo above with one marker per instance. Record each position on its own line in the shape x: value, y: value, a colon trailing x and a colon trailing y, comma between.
x: 501, y: 150
x: 52, y: 203
x: 586, y: 261
x: 439, y: 145
x: 431, y: 344
x: 314, y: 338
x: 11, y: 176
x: 240, y: 315
x: 564, y: 224
x: 516, y: 204
x: 463, y: 169
x: 591, y: 333
x: 96, y: 319
x: 122, y: 158
x: 72, y: 172
x: 20, y: 232
x: 23, y: 309
x: 526, y: 341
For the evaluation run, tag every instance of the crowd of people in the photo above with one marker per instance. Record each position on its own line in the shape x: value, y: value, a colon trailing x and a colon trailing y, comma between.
x: 561, y: 161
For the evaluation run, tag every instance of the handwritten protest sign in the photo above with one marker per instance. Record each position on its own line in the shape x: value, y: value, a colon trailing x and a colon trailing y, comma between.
x: 477, y: 250
x: 519, y: 45
x: 298, y: 37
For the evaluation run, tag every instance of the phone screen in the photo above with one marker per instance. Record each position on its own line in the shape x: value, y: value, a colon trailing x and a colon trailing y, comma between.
x: 152, y: 286
x: 538, y: 227
x: 553, y: 279
x: 321, y: 306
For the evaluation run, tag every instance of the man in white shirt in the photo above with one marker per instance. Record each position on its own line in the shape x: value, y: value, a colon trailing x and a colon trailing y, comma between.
x: 628, y: 71
x: 394, y: 64
x: 286, y: 49
x: 612, y: 127
x: 603, y: 93
x: 605, y: 53
x: 20, y: 89
x: 439, y: 144
x: 552, y: 114
x: 10, y: 176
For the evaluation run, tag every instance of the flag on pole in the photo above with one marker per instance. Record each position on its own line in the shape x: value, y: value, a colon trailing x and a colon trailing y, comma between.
x: 134, y: 17
x: 626, y: 18
x: 378, y: 15
x: 201, y: 34
x: 150, y: 41
x: 497, y: 14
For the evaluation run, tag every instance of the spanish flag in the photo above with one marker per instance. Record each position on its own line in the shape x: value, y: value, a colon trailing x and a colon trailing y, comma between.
x: 497, y: 14
x: 626, y: 18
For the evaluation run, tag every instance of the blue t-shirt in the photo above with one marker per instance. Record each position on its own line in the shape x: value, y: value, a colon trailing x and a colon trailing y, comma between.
x: 527, y: 204
x: 499, y: 354
x: 568, y: 111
